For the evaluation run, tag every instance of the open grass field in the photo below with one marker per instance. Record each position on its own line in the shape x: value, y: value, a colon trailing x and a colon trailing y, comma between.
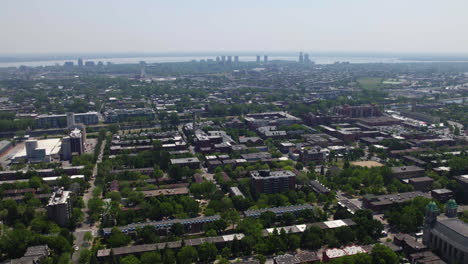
x: 369, y: 83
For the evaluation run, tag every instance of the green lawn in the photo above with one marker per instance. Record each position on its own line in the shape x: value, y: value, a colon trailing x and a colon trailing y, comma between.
x: 369, y: 83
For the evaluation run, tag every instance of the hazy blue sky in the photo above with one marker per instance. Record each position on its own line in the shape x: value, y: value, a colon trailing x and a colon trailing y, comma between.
x: 60, y: 26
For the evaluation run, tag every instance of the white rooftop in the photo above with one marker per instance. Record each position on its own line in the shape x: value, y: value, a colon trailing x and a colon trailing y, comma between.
x: 335, y: 223
x: 51, y: 145
x: 353, y: 250
x: 335, y: 253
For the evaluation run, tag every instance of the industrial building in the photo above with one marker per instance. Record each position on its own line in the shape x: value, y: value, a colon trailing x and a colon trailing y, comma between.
x: 271, y: 119
x: 36, y: 151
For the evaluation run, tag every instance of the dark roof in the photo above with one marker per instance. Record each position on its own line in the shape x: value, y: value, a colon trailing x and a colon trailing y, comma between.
x: 278, y: 210
x: 406, y: 169
x: 318, y: 187
x: 421, y: 179
x: 164, y: 223
x: 351, y: 207
x: 457, y: 225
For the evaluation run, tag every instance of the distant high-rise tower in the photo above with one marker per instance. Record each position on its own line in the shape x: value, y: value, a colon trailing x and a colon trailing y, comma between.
x: 80, y: 62
x: 258, y: 58
x: 223, y: 59
x: 301, y: 57
x: 236, y: 59
x: 229, y: 59
x: 306, y: 58
x: 70, y: 119
x: 217, y: 58
x: 142, y: 69
x: 265, y: 58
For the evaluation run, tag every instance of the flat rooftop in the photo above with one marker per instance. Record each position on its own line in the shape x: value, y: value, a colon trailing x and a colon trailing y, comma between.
x: 52, y: 146
x: 185, y: 160
x: 367, y: 163
x: 278, y: 210
x: 264, y: 174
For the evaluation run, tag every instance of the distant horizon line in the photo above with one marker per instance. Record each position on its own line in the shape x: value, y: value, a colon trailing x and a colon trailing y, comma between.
x: 232, y: 52
x: 24, y: 57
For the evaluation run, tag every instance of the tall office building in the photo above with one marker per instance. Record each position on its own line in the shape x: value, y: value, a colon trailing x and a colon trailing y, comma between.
x: 301, y: 57
x: 306, y: 58
x: 59, y: 207
x: 223, y: 59
x: 236, y: 59
x: 258, y: 58
x: 217, y: 58
x: 265, y: 58
x: 80, y: 62
x: 229, y: 59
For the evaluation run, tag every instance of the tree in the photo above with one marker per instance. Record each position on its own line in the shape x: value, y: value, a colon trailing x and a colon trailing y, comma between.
x: 186, y: 255
x: 207, y: 251
x: 344, y: 235
x: 204, y: 189
x: 95, y: 207
x: 294, y: 242
x: 231, y: 217
x: 268, y: 218
x: 157, y: 173
x: 299, y: 166
x: 118, y: 239
x: 261, y: 258
x: 85, y: 256
x: 312, y: 238
x: 177, y: 229
x: 64, y: 258
x: 383, y: 255
x: 130, y: 259
x: 88, y: 236
x: 151, y: 258
x: 148, y: 234
x: 174, y: 120
x: 169, y: 257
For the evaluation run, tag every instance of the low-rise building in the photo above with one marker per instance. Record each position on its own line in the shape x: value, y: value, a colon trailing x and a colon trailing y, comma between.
x: 442, y: 195
x: 406, y: 172
x: 193, y: 163
x: 383, y: 202
x: 278, y: 210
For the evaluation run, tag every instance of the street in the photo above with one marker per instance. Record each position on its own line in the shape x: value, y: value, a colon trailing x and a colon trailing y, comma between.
x: 87, y: 226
